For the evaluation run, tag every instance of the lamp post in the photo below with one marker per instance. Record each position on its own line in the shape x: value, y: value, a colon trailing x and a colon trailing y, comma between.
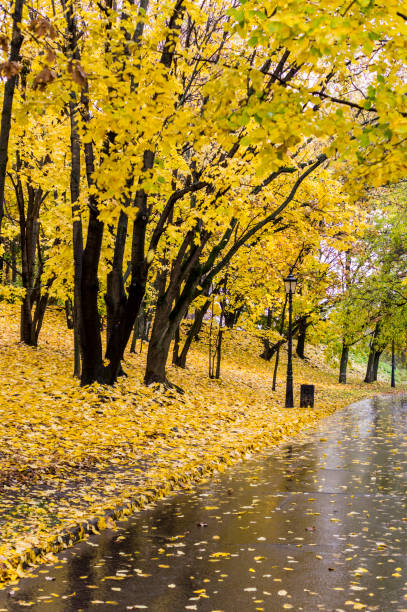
x: 290, y: 285
x: 393, y: 364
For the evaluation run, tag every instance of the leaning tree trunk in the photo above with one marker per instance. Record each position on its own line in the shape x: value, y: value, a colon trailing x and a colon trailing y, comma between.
x: 271, y: 349
x: 192, y: 333
x: 158, y: 349
x: 167, y: 318
x: 344, y: 363
x: 172, y: 305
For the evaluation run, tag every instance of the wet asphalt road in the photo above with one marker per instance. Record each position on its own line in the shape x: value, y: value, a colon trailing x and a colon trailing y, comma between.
x: 319, y: 524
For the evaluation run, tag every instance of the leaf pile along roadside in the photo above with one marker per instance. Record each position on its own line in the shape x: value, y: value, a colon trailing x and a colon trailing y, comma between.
x: 74, y: 459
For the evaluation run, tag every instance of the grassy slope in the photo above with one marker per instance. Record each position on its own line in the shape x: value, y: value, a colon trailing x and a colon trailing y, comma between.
x: 68, y: 453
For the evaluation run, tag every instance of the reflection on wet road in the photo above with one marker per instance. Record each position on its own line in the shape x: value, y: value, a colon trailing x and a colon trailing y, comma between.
x: 316, y: 525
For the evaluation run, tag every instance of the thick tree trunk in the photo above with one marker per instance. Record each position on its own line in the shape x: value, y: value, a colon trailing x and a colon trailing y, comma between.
x: 302, y: 333
x: 158, y: 350
x: 376, y: 360
x: 173, y: 304
x: 90, y: 332
x: 369, y: 368
x: 120, y: 332
x: 127, y: 310
x: 373, y: 365
x: 344, y: 363
x: 369, y: 378
x: 166, y: 320
x: 115, y: 294
x: 26, y: 323
x: 393, y: 364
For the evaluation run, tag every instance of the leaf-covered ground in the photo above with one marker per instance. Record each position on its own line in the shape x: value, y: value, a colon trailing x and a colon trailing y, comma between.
x: 69, y: 454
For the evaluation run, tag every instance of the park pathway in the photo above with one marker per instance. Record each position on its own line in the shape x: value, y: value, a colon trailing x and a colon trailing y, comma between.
x: 318, y: 524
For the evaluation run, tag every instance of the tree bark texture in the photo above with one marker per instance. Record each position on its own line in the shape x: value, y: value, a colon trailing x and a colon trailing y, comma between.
x: 376, y: 360
x: 370, y: 369
x: 344, y: 363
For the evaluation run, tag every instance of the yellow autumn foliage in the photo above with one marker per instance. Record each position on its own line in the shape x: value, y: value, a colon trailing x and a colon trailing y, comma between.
x: 69, y: 454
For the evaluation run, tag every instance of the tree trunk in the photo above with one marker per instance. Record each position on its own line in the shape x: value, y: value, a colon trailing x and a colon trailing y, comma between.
x: 376, y: 360
x: 75, y: 179
x: 14, y: 262
x: 192, y: 334
x: 91, y: 342
x: 344, y: 363
x: 158, y: 349
x: 173, y: 304
x: 369, y: 378
x: 369, y: 368
x: 175, y: 350
x: 276, y: 369
x: 126, y: 310
x: 219, y: 353
x: 271, y: 349
x: 9, y: 88
x: 115, y: 294
x: 166, y: 320
x: 69, y: 313
x: 28, y: 203
x: 135, y: 336
x: 302, y: 332
x: 77, y: 234
x: 232, y: 317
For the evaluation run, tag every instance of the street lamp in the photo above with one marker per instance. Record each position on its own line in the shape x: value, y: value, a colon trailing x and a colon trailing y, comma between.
x: 290, y: 285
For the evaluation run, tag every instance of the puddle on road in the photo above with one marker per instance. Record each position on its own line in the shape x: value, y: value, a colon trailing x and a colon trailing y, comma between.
x: 316, y: 525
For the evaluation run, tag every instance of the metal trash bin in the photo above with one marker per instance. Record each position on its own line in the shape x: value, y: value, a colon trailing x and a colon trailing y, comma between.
x: 307, y: 396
